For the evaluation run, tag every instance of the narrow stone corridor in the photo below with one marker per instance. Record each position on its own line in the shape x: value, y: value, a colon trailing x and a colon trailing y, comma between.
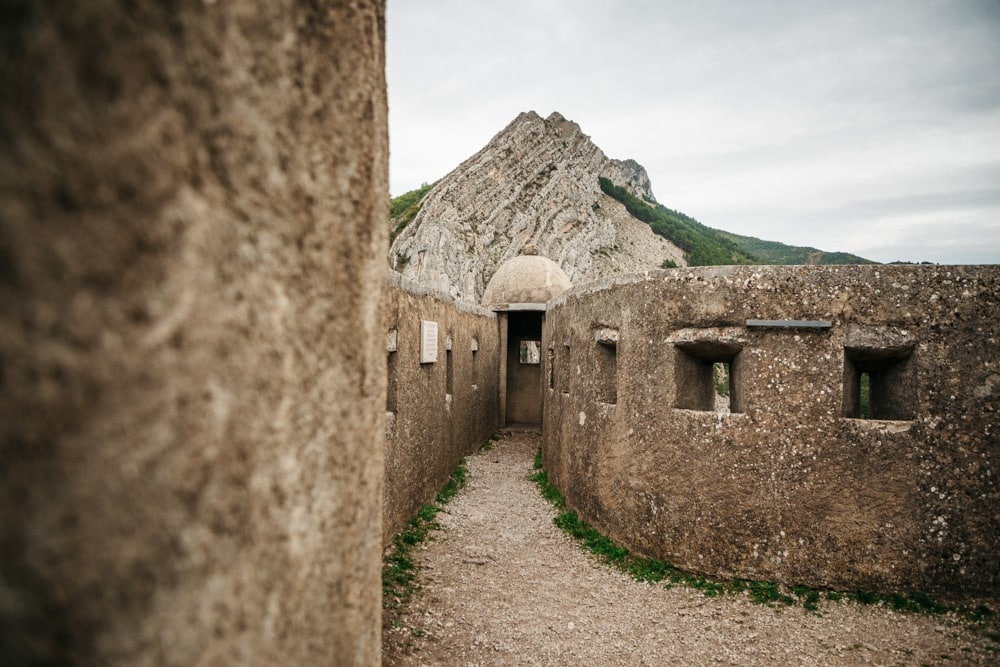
x: 502, y: 585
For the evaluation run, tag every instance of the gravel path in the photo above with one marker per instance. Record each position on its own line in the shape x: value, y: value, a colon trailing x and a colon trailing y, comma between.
x: 502, y: 585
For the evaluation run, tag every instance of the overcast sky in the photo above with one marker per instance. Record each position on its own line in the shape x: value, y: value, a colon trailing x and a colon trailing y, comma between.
x: 870, y: 127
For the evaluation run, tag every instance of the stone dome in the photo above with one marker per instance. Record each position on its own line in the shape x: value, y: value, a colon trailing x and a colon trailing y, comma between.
x: 529, y: 278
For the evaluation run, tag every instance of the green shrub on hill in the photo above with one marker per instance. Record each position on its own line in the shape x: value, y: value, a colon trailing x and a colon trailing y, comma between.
x: 772, y: 252
x: 703, y: 245
x: 404, y: 208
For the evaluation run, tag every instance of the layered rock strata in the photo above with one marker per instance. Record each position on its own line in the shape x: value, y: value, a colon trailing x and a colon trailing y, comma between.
x: 535, y: 182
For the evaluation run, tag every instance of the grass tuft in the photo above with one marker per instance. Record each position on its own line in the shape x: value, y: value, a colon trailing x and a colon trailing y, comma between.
x: 488, y: 445
x: 761, y: 592
x: 404, y: 209
x: 399, y: 570
x: 549, y: 491
x: 452, y: 486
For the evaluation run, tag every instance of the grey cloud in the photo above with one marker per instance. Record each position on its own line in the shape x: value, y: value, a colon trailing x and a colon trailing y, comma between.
x: 877, y: 107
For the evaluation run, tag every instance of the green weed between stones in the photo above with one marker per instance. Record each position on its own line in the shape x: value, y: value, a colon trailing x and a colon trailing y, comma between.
x: 488, y: 445
x: 761, y: 592
x: 399, y: 571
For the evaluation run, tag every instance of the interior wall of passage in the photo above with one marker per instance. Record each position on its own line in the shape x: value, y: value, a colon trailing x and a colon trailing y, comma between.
x: 431, y: 428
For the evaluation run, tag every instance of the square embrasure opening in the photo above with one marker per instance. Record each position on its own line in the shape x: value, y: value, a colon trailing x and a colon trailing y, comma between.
x: 530, y: 352
x: 707, y: 376
x: 606, y: 372
x: 880, y: 383
x: 564, y: 372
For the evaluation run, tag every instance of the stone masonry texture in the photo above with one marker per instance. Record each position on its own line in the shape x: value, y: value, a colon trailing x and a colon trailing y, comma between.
x: 192, y: 263
x: 790, y: 485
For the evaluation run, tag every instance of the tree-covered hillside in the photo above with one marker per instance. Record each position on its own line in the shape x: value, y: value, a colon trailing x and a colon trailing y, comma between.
x: 772, y: 252
x: 404, y: 208
x: 703, y: 246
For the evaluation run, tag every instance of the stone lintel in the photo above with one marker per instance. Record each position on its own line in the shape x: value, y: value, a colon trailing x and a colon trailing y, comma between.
x: 790, y: 324
x: 503, y: 307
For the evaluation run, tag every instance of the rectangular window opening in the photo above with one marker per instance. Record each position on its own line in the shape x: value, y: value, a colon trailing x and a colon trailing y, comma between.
x: 475, y: 366
x: 707, y: 377
x: 880, y: 384
x: 531, y: 352
x: 449, y: 373
x: 390, y: 390
x: 552, y: 369
x: 564, y: 370
x: 392, y: 344
x: 606, y: 385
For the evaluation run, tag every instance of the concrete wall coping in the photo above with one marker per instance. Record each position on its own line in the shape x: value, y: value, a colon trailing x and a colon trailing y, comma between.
x: 758, y: 270
x: 505, y: 307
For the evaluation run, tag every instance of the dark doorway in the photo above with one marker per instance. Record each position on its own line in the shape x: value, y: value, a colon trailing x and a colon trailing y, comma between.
x: 524, y: 367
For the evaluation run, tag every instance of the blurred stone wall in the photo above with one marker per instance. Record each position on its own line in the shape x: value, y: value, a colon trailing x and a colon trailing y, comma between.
x: 192, y: 268
x: 789, y: 484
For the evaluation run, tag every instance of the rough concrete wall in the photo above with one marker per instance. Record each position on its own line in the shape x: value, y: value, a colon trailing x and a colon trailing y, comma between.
x: 192, y: 259
x: 428, y: 429
x: 788, y: 488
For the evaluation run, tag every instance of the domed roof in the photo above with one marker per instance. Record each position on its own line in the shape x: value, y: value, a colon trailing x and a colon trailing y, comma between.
x: 529, y: 278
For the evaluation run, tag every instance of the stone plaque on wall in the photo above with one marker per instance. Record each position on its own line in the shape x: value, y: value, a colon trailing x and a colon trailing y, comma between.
x: 428, y: 342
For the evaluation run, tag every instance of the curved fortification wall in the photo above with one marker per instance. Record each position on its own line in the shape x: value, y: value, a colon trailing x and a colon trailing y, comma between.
x: 795, y: 476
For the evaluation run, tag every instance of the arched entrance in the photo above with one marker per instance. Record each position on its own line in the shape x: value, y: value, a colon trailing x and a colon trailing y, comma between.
x: 518, y: 292
x: 524, y: 368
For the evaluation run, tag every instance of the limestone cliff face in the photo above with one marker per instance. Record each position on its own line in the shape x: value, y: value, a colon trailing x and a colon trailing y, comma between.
x: 534, y: 182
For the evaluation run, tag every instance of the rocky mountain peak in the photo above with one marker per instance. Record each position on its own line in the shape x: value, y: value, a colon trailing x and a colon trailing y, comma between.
x: 535, y: 182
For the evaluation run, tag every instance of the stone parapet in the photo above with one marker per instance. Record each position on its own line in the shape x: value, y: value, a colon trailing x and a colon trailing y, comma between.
x: 860, y: 454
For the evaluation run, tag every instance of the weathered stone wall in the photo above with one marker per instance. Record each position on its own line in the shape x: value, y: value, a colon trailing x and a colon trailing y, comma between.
x: 191, y: 266
x: 432, y: 422
x: 787, y: 487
